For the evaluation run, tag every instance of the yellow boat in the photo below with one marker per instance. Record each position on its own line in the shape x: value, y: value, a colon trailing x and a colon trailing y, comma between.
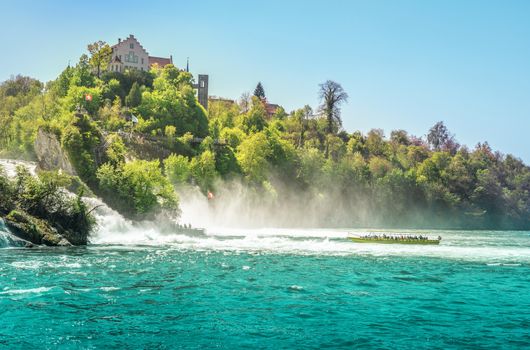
x: 395, y: 240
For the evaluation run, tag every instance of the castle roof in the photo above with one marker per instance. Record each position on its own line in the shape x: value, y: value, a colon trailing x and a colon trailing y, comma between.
x: 161, y: 61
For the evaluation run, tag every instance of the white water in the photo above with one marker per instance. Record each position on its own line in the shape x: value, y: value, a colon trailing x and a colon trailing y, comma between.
x: 490, y: 246
x: 10, y: 166
x: 114, y: 229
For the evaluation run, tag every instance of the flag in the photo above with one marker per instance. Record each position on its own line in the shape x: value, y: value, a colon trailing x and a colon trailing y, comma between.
x: 88, y: 97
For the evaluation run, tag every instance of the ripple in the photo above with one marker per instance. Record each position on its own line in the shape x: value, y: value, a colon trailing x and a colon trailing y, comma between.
x: 38, y: 290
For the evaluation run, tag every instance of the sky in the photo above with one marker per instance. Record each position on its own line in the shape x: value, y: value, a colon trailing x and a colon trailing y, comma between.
x: 405, y: 64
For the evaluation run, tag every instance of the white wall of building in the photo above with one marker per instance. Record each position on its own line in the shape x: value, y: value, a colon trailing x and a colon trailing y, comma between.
x: 131, y: 53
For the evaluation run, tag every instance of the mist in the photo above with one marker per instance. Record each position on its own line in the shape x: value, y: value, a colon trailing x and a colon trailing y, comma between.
x: 238, y: 205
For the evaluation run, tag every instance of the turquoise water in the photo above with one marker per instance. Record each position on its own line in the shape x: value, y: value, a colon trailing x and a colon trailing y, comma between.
x: 269, y: 289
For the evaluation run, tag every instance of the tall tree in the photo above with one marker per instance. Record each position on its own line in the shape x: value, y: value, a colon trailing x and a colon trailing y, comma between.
x: 100, y: 56
x: 134, y: 98
x: 245, y: 101
x: 440, y: 138
x: 332, y: 95
x: 259, y: 91
x: 302, y: 117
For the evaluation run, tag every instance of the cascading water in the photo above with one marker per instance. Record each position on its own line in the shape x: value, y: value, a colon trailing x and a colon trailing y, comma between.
x: 113, y: 229
x: 10, y: 166
x: 7, y: 239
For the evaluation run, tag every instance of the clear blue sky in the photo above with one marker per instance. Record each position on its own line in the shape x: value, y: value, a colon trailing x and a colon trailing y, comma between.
x: 405, y: 64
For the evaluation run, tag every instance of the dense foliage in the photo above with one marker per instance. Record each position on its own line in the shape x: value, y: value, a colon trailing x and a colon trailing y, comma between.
x: 44, y: 197
x: 292, y: 164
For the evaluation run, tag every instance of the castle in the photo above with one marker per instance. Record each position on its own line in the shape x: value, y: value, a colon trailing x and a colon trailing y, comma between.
x: 130, y: 54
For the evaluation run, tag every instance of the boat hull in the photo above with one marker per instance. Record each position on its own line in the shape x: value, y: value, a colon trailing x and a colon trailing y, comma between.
x: 394, y: 241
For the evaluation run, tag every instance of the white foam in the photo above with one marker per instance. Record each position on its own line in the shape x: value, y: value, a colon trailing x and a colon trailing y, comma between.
x: 10, y: 166
x: 26, y: 291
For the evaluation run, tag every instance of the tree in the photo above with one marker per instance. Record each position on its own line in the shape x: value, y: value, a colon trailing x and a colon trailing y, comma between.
x: 138, y: 188
x: 245, y: 101
x: 302, y: 117
x: 134, y: 98
x: 259, y: 91
x: 254, y: 119
x: 439, y: 138
x: 203, y: 170
x: 332, y: 95
x: 399, y: 137
x: 177, y: 169
x: 101, y: 54
x: 252, y: 155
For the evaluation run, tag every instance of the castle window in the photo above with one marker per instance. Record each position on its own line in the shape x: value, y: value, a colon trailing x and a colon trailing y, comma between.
x: 202, y: 83
x: 142, y: 61
x: 131, y: 46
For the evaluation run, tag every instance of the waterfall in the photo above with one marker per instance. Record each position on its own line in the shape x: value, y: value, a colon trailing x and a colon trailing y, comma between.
x: 10, y: 166
x: 7, y: 239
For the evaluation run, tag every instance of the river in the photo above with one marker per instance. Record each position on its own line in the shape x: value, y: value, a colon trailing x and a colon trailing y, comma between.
x: 268, y: 289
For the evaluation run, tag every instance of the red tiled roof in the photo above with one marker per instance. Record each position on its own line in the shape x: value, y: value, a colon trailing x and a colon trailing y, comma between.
x: 271, y: 108
x: 161, y: 61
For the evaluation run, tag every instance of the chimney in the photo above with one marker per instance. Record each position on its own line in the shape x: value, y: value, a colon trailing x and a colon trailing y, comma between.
x: 171, y: 59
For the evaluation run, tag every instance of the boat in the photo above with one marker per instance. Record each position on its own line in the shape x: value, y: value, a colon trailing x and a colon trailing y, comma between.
x: 396, y: 239
x: 190, y: 231
x: 181, y: 229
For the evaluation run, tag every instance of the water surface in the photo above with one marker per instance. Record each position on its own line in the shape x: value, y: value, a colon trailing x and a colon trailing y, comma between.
x: 268, y: 289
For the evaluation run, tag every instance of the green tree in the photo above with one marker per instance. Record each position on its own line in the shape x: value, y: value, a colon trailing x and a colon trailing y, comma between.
x: 302, y: 117
x: 138, y: 188
x: 100, y: 56
x: 259, y: 91
x: 177, y: 169
x: 134, y: 98
x: 332, y: 95
x: 255, y: 119
x: 252, y: 156
x: 203, y: 170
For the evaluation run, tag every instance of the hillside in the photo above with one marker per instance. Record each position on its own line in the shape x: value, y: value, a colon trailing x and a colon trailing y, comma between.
x: 282, y: 168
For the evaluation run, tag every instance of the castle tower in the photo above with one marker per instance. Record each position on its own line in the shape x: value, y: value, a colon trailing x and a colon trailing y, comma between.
x: 202, y: 90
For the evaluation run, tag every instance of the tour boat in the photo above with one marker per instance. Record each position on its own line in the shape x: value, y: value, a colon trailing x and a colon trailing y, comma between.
x: 395, y: 240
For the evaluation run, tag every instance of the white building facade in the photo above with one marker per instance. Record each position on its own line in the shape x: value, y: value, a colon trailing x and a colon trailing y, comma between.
x: 127, y: 54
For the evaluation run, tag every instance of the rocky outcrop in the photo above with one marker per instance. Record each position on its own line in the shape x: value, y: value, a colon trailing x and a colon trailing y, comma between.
x: 33, y: 230
x: 49, y: 153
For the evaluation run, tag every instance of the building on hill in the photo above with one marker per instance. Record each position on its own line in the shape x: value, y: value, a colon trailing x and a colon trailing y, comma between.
x: 130, y: 54
x: 202, y: 90
x: 270, y: 108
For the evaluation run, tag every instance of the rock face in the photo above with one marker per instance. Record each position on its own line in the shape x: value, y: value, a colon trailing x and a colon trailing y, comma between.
x: 50, y: 155
x: 34, y: 230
